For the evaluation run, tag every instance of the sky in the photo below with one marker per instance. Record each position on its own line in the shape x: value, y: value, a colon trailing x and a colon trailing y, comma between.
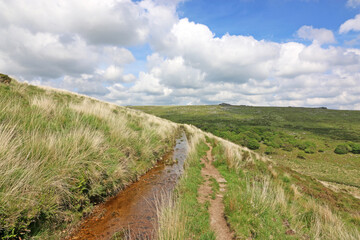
x: 301, y: 53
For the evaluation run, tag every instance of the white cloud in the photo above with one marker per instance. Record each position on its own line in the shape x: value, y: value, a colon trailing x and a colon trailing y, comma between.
x: 128, y: 78
x: 229, y: 58
x: 319, y: 35
x: 113, y: 73
x: 43, y: 54
x: 194, y: 66
x: 116, y: 55
x: 50, y: 38
x: 82, y: 46
x: 350, y: 25
x: 353, y: 3
x: 99, y: 22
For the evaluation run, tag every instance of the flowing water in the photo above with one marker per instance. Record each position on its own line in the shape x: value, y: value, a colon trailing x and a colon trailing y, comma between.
x: 133, y: 210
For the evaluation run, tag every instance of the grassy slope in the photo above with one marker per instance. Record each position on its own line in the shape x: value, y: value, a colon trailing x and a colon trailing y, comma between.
x: 60, y: 153
x: 266, y: 201
x: 287, y: 204
x: 325, y: 128
x: 263, y: 200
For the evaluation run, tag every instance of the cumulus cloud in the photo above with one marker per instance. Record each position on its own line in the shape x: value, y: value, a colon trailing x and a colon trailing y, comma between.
x: 193, y: 66
x: 229, y: 58
x: 84, y: 46
x: 350, y: 25
x: 43, y: 54
x: 99, y: 22
x: 353, y: 3
x: 52, y: 39
x: 80, y: 41
x: 318, y: 35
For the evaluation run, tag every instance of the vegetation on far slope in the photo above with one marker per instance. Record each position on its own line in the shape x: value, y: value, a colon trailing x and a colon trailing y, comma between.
x: 294, y: 137
x: 60, y: 153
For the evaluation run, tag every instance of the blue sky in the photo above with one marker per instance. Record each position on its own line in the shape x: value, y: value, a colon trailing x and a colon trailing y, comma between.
x: 175, y: 52
x: 274, y: 20
x: 271, y: 20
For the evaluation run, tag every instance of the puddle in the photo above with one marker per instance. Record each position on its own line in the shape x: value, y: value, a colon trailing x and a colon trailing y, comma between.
x: 133, y: 209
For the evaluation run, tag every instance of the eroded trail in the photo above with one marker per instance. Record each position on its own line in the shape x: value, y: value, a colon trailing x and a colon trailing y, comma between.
x: 207, y: 192
x: 133, y: 210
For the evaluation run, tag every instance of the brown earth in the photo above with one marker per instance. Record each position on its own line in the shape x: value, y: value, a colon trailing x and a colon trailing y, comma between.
x: 216, y: 209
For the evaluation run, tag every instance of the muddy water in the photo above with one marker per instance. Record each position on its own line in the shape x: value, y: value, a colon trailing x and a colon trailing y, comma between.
x: 133, y: 209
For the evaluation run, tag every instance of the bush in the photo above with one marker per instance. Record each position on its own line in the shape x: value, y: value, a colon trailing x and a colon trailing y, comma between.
x: 287, y: 147
x: 253, y: 144
x: 269, y: 150
x: 311, y: 146
x: 301, y: 155
x: 342, y: 149
x: 310, y: 150
x: 301, y: 145
x: 355, y: 148
x: 275, y: 142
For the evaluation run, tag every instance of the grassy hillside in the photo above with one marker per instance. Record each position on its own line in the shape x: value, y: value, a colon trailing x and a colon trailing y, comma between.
x: 263, y: 200
x: 60, y: 153
x: 303, y: 139
x: 292, y: 185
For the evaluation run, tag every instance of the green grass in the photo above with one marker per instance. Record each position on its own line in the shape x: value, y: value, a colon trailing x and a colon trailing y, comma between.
x: 215, y: 187
x: 62, y: 153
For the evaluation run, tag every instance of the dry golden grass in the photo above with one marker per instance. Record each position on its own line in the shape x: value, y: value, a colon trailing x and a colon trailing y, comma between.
x: 59, y: 151
x: 171, y: 223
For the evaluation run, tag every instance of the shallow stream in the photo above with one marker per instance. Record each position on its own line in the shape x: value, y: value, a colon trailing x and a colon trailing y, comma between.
x: 133, y: 209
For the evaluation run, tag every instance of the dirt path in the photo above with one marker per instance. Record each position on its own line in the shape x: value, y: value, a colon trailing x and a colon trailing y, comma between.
x: 206, y: 193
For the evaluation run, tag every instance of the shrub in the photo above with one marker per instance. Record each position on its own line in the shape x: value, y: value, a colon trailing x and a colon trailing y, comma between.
x: 310, y: 150
x: 287, y: 147
x: 253, y: 144
x: 301, y: 145
x: 355, y: 148
x: 307, y: 146
x: 274, y: 142
x: 301, y: 155
x: 269, y: 150
x: 342, y: 149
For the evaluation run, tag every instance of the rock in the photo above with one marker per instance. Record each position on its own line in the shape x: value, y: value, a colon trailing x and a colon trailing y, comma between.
x: 5, y: 79
x: 224, y: 104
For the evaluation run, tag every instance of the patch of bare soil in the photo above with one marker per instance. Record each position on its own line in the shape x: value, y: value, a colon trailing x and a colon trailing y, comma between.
x: 337, y: 187
x: 216, y: 208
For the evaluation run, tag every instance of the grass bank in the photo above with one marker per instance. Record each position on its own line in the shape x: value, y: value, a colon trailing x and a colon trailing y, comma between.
x: 61, y: 153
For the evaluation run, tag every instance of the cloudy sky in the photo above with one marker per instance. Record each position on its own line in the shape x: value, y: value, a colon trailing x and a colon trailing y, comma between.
x: 174, y: 52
